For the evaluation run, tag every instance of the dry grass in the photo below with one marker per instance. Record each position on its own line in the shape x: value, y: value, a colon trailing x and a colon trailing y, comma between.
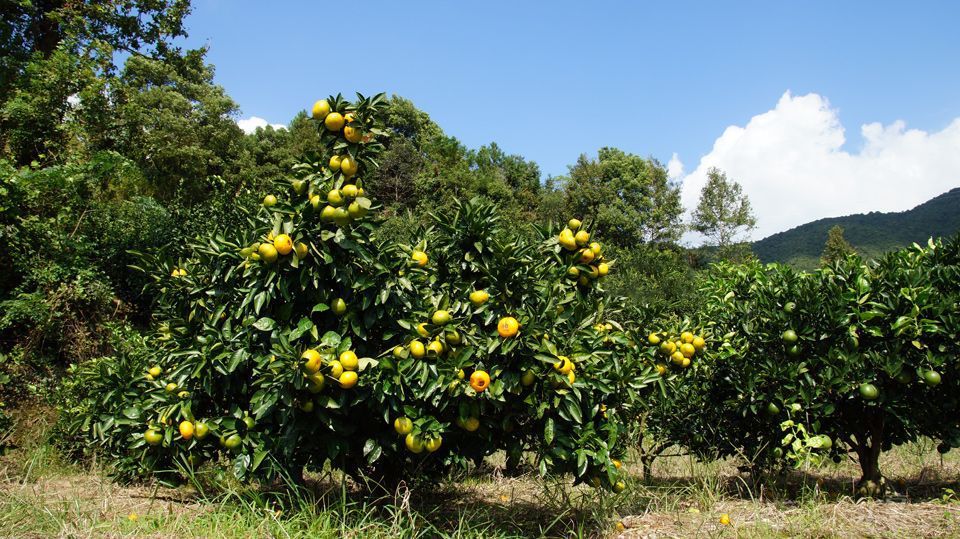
x: 43, y: 496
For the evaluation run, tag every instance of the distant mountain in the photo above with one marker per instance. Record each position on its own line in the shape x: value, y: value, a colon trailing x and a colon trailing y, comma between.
x: 872, y: 233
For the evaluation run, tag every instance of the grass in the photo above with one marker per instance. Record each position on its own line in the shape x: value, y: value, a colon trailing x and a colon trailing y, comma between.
x: 41, y: 495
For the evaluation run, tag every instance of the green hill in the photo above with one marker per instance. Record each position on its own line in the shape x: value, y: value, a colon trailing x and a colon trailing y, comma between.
x: 872, y: 233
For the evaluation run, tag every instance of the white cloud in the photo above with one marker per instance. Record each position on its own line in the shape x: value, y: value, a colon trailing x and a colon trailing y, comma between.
x: 790, y: 163
x: 251, y: 124
x: 675, y: 167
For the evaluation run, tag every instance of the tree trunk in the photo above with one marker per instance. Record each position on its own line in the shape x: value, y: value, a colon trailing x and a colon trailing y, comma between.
x: 868, y: 448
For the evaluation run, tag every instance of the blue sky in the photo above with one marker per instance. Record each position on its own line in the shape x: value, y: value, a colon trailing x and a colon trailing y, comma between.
x: 552, y: 80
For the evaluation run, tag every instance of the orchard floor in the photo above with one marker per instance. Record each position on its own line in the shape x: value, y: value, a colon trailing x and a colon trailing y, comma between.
x: 43, y: 496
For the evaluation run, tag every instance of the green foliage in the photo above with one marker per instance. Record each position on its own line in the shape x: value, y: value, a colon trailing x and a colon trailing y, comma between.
x: 233, y: 348
x: 723, y: 214
x: 836, y: 248
x: 630, y: 199
x: 817, y: 340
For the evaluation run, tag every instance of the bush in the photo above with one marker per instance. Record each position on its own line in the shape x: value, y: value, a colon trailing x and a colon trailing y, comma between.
x: 305, y: 339
x: 856, y: 353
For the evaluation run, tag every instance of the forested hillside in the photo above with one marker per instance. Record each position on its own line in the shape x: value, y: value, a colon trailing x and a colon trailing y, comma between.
x: 871, y: 234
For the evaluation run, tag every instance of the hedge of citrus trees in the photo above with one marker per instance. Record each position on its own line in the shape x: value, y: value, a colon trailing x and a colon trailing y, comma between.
x: 301, y: 338
x: 863, y: 355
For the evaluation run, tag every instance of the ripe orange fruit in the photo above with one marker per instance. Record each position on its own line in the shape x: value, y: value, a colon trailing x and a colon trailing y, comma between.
x: 508, y: 327
x: 334, y: 163
x: 155, y: 371
x: 479, y: 297
x: 334, y: 121
x: 617, y: 464
x: 667, y: 348
x: 403, y: 425
x: 356, y: 211
x: 479, y: 381
x: 435, y: 348
x: 317, y: 381
x: 452, y: 337
x: 302, y: 250
x: 661, y: 369
x: 433, y: 444
x: 186, y: 430
x: 685, y: 363
x: 567, y: 239
x: 619, y: 487
x: 352, y: 134
x: 153, y: 437
x: 582, y: 237
x: 283, y: 243
x: 414, y: 444
x: 312, y: 360
x: 677, y: 357
x: 348, y: 379
x: 335, y: 198
x: 574, y: 224
x: 422, y: 329
x: 417, y: 349
x: 699, y: 344
x: 586, y: 256
x: 269, y: 201
x: 349, y: 360
x: 320, y: 109
x: 440, y: 318
x: 596, y: 248
x: 171, y: 387
x: 724, y: 519
x: 687, y: 350
x: 686, y: 337
x: 603, y: 269
x: 268, y: 253
x: 348, y: 166
x: 327, y: 213
x: 420, y: 258
x: 336, y: 369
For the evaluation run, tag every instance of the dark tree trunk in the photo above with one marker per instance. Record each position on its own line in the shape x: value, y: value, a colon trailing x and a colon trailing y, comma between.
x: 868, y: 447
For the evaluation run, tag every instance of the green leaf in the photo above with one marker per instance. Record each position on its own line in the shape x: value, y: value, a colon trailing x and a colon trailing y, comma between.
x: 265, y: 324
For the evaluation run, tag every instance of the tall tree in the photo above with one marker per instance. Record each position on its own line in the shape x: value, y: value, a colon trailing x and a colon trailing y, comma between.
x: 724, y: 214
x: 836, y: 247
x: 628, y: 198
x: 54, y: 50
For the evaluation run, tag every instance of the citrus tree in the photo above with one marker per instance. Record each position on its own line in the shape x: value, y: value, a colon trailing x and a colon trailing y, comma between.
x: 303, y: 338
x: 857, y: 354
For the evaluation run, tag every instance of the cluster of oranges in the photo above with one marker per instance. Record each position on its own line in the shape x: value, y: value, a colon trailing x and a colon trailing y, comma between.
x: 678, y: 350
x: 415, y: 444
x: 576, y: 239
x: 272, y: 247
x: 188, y: 429
x: 346, y: 203
x: 343, y: 370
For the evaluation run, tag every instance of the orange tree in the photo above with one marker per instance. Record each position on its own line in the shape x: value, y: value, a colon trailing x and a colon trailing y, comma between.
x: 857, y: 353
x: 302, y: 338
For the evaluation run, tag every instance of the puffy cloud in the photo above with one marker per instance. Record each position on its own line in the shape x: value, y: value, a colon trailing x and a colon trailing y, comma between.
x: 791, y: 164
x: 675, y: 167
x: 251, y: 124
